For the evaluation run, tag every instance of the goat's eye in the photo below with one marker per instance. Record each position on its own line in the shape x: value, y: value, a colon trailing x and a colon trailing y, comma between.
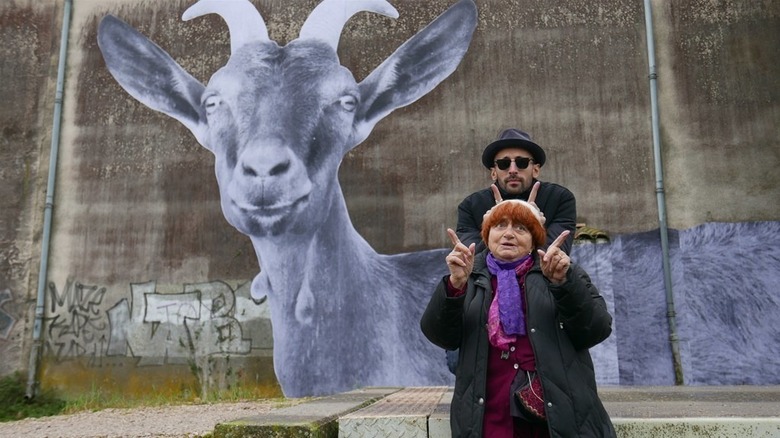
x: 211, y: 103
x: 348, y: 102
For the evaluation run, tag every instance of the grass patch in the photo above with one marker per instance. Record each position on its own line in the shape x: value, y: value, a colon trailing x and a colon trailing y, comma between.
x: 97, y: 399
x: 14, y: 405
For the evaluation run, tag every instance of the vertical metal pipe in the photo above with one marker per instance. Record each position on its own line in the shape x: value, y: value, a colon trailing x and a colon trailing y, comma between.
x: 659, y: 190
x: 35, y: 351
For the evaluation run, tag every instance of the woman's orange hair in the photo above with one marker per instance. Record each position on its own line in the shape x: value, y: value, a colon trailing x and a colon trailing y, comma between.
x: 518, y: 212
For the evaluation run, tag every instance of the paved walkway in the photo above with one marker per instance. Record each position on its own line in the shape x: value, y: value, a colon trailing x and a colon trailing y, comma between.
x: 637, y: 412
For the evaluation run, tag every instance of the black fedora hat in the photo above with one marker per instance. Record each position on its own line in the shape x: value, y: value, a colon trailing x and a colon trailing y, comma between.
x: 512, y: 138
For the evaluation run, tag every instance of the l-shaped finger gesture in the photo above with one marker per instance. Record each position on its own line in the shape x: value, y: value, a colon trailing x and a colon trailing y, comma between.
x: 555, y: 262
x: 460, y: 261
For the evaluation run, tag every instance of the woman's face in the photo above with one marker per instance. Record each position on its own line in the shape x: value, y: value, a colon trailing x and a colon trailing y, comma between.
x: 509, y: 241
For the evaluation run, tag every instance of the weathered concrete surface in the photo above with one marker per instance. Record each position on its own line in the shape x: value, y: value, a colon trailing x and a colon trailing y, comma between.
x: 692, y: 401
x: 29, y: 45
x: 136, y: 199
x: 693, y: 412
x: 318, y: 418
x: 404, y: 413
x: 720, y: 106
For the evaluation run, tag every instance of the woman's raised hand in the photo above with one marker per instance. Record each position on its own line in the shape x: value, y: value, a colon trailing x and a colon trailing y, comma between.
x: 555, y: 263
x: 460, y: 261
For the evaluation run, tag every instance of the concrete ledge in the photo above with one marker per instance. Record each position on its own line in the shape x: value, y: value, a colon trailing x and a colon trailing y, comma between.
x: 401, y: 414
x: 439, y: 421
x: 317, y: 418
x: 697, y: 427
x: 692, y: 401
x: 694, y: 411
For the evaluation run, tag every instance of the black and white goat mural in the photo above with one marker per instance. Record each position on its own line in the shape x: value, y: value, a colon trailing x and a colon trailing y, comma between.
x: 279, y: 120
x: 726, y: 286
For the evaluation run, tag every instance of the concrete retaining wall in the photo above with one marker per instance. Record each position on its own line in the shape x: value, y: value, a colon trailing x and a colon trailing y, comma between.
x: 142, y: 253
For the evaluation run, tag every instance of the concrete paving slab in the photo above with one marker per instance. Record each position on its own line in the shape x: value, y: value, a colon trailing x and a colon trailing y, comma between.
x: 692, y: 401
x: 401, y: 414
x: 317, y: 418
x: 694, y: 412
x: 697, y: 427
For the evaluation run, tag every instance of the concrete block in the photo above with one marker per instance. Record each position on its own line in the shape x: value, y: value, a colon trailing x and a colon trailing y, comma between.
x: 401, y: 414
x: 439, y: 421
x: 697, y: 427
x: 317, y: 418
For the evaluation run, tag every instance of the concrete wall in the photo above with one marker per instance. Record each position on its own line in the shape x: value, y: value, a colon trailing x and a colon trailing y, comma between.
x: 29, y: 44
x: 142, y: 253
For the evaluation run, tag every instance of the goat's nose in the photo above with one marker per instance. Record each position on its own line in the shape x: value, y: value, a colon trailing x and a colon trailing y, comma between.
x: 271, y: 162
x: 255, y: 169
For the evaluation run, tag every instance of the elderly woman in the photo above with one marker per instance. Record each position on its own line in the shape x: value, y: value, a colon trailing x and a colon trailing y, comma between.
x: 523, y: 320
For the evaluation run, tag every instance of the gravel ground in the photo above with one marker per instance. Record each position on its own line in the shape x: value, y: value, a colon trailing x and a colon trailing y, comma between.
x: 170, y: 421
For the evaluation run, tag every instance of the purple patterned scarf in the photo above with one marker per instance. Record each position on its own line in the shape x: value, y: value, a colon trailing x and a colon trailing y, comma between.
x: 508, y: 297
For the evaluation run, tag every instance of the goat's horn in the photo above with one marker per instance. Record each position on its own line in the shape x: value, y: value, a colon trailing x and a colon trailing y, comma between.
x: 327, y: 20
x: 244, y: 22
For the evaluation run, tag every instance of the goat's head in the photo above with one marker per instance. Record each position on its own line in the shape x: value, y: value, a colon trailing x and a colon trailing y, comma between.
x: 278, y: 138
x: 280, y: 119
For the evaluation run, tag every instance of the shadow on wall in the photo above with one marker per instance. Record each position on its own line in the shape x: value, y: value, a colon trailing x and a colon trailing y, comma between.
x: 724, y: 279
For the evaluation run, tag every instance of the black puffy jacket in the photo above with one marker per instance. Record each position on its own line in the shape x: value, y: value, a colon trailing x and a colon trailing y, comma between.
x: 563, y: 322
x: 556, y: 202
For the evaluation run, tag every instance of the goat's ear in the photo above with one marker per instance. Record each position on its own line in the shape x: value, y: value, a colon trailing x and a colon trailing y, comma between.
x: 416, y: 67
x: 150, y: 75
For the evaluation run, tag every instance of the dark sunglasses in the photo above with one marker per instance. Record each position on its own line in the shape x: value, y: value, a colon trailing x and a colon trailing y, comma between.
x: 520, y: 162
